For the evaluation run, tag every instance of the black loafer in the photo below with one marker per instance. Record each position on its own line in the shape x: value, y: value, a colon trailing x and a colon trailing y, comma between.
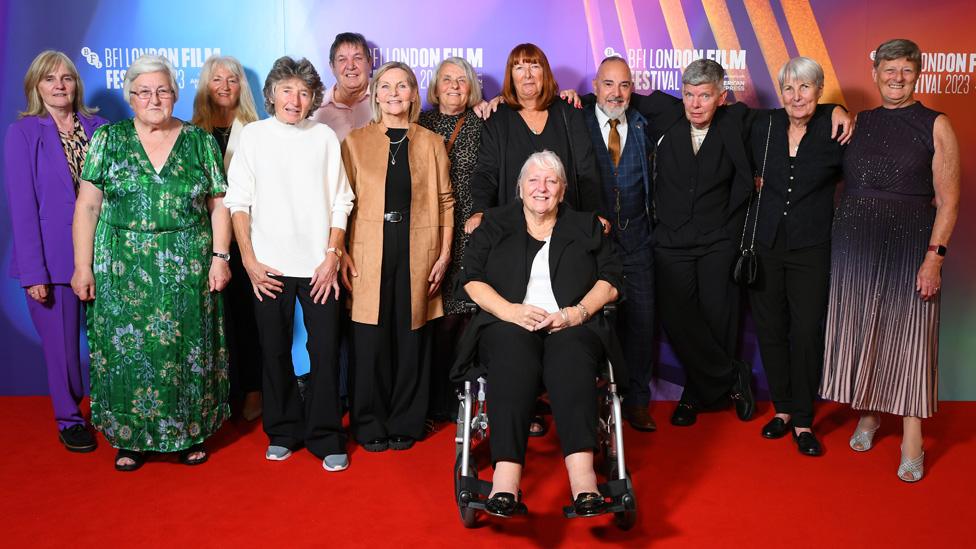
x: 589, y: 504
x: 377, y: 445
x: 807, y: 443
x: 398, y: 442
x: 77, y: 438
x: 776, y: 428
x: 684, y: 415
x: 505, y: 504
x: 745, y: 402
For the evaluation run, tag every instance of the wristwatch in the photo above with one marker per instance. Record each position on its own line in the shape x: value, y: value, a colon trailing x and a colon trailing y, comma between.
x: 225, y: 257
x: 336, y: 251
x: 938, y: 249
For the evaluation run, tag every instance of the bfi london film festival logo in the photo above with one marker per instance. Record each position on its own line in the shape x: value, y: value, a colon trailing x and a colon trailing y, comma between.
x: 115, y: 61
x: 661, y: 68
x: 944, y: 73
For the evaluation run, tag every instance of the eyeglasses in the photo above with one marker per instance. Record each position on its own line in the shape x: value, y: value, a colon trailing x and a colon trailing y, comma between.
x: 146, y: 94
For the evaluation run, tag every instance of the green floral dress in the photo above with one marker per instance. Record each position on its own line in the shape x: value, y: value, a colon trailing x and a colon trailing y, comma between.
x: 158, y: 361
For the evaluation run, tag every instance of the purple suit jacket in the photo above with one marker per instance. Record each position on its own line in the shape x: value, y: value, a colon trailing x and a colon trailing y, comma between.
x: 41, y: 197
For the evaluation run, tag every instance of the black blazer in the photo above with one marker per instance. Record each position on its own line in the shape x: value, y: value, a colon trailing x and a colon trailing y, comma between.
x: 579, y: 256
x: 817, y: 170
x: 505, y: 146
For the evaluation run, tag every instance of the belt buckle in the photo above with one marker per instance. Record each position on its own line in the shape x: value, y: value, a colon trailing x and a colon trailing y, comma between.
x: 393, y: 217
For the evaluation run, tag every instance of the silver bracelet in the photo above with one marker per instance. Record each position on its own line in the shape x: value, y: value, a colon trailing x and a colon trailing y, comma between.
x: 565, y: 315
x: 583, y: 312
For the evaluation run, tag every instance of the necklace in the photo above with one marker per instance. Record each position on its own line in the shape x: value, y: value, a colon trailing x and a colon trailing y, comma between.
x: 393, y: 153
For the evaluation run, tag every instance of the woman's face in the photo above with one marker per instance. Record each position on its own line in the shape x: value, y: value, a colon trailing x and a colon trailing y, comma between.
x: 292, y: 100
x: 57, y: 88
x: 541, y: 190
x: 152, y: 98
x: 527, y: 78
x: 452, y: 88
x: 394, y: 94
x: 896, y: 80
x: 224, y: 88
x: 800, y: 98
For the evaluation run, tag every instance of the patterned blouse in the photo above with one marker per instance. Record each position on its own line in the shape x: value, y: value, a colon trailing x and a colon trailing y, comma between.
x: 75, y: 146
x: 463, y: 157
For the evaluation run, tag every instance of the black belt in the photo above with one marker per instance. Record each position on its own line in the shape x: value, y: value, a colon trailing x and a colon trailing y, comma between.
x: 393, y: 217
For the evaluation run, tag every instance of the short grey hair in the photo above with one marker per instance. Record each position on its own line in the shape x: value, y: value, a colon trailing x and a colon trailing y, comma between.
x: 147, y: 64
x: 704, y: 71
x: 801, y: 69
x: 898, y: 48
x: 543, y: 159
x: 474, y: 95
x: 286, y: 68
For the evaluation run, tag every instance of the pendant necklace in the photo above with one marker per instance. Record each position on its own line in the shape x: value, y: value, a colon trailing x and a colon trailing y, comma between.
x: 393, y: 153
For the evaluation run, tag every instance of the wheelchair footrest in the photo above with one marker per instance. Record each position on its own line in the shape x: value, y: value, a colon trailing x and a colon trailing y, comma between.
x: 615, y: 490
x: 475, y: 486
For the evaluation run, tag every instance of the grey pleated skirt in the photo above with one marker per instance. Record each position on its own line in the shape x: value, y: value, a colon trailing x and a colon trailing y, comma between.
x: 882, y: 340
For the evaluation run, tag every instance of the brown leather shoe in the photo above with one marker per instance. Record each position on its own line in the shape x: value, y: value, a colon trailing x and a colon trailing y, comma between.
x: 639, y: 418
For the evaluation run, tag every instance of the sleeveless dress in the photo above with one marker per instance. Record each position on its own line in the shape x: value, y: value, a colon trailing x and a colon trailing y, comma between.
x: 881, y: 346
x: 158, y: 362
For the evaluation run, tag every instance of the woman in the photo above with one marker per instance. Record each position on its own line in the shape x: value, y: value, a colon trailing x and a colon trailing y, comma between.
x: 539, y: 271
x: 223, y: 106
x: 800, y: 165
x: 455, y: 92
x: 290, y: 198
x: 44, y: 155
x: 151, y: 238
x: 399, y: 249
x: 890, y: 235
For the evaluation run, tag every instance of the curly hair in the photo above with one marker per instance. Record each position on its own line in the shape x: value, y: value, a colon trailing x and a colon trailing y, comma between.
x: 287, y: 68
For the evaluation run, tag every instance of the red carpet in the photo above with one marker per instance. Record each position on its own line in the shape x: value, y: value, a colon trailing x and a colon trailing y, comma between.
x: 717, y: 484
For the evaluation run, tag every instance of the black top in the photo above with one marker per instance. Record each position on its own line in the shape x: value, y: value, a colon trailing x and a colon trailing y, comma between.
x: 398, y: 172
x: 506, y: 142
x: 222, y: 135
x: 797, y: 201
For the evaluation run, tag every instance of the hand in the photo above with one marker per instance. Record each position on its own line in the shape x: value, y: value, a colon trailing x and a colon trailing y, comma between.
x: 473, y: 222
x: 348, y: 270
x: 486, y: 108
x: 325, y: 279
x: 261, y: 283
x: 841, y: 119
x: 557, y: 321
x: 83, y: 284
x: 606, y: 225
x: 758, y: 182
x: 526, y: 316
x: 437, y: 274
x: 929, y: 279
x: 572, y: 98
x: 38, y: 292
x: 219, y: 274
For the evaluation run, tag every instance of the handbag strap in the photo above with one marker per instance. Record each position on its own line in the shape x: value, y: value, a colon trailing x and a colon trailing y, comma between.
x: 762, y: 176
x: 454, y: 134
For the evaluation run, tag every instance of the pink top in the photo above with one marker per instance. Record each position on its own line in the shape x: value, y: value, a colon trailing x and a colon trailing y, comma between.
x: 341, y: 118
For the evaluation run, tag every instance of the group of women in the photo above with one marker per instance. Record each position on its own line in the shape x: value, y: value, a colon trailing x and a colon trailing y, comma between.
x: 445, y: 200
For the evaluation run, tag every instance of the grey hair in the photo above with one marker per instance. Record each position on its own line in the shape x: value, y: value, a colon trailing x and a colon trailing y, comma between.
x: 801, y: 69
x: 147, y: 64
x: 286, y: 68
x: 474, y: 95
x: 543, y: 159
x: 704, y: 71
x: 898, y: 48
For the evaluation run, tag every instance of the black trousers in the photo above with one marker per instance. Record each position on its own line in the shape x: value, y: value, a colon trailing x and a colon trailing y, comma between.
x: 518, y: 362
x: 789, y: 303
x: 699, y: 309
x: 317, y: 424
x: 445, y: 333
x: 390, y: 383
x: 241, y: 329
x: 635, y: 322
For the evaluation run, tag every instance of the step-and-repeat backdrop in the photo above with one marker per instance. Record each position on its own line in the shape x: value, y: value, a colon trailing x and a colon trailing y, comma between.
x: 751, y: 38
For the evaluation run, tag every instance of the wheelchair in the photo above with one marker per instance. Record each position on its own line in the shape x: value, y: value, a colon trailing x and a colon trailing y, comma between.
x: 471, y: 492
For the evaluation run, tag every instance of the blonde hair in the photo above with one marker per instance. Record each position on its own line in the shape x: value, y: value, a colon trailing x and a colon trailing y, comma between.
x: 474, y: 86
x: 42, y: 65
x: 204, y: 109
x: 374, y: 106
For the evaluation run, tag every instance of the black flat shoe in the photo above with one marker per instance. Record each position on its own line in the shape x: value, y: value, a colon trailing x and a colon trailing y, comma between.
x: 398, y: 442
x: 377, y: 445
x: 684, y: 415
x: 505, y: 505
x: 589, y: 504
x: 77, y: 438
x: 185, y: 459
x: 742, y: 397
x: 776, y: 428
x: 807, y: 443
x: 138, y: 458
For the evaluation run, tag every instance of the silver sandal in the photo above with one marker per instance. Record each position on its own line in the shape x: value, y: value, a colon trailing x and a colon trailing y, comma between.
x: 914, y: 467
x: 863, y: 438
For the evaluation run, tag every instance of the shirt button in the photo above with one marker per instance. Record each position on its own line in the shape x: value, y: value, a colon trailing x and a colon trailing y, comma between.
x: 787, y: 202
x: 789, y: 190
x: 791, y: 178
x: 784, y: 213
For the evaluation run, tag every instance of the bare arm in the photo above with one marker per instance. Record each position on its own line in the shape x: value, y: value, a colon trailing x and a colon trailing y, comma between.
x: 325, y: 279
x: 526, y: 316
x: 261, y: 283
x: 599, y: 295
x: 220, y: 225
x: 945, y: 179
x: 88, y: 207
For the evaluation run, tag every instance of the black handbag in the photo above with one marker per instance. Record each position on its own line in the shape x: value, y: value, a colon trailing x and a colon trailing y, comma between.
x: 746, y: 270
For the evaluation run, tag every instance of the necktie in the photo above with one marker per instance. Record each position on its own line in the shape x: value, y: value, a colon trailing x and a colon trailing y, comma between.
x: 613, y: 142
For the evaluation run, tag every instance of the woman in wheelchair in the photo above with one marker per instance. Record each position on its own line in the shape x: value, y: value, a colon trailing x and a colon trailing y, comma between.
x: 539, y: 270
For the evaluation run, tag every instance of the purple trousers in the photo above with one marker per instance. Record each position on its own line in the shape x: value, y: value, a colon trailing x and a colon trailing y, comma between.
x: 58, y: 321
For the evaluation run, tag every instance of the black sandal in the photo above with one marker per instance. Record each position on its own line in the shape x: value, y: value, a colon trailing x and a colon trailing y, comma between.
x: 543, y: 426
x: 185, y: 455
x: 138, y: 458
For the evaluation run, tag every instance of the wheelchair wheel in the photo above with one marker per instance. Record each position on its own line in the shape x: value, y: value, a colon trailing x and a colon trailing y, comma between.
x: 468, y: 515
x: 626, y: 519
